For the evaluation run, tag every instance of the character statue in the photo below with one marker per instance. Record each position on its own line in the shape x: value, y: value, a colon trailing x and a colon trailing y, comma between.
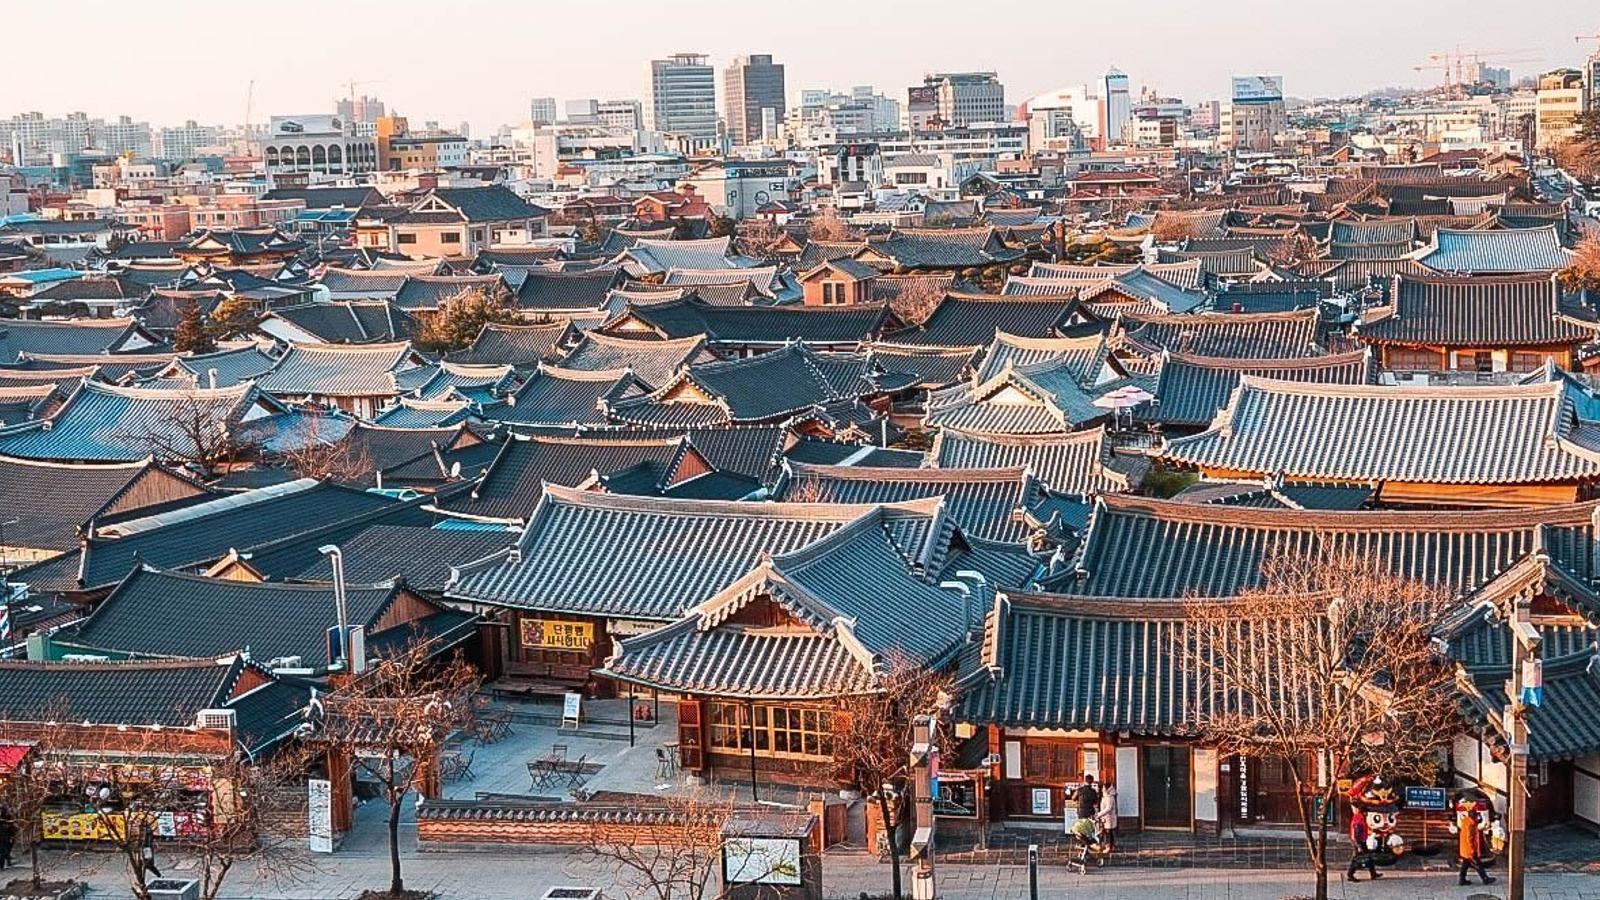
x: 1374, y: 811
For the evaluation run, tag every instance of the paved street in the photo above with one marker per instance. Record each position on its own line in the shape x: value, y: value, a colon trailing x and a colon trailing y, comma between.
x: 523, y: 875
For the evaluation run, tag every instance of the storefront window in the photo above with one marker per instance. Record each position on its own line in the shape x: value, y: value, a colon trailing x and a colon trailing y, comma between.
x: 780, y: 731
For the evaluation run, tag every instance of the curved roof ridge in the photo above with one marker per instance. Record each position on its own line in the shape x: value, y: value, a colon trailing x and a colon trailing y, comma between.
x: 1330, y: 360
x: 1546, y: 390
x: 557, y: 494
x: 1310, y: 520
x: 583, y: 374
x: 1097, y: 434
x: 141, y: 393
x: 908, y: 473
x: 1048, y: 343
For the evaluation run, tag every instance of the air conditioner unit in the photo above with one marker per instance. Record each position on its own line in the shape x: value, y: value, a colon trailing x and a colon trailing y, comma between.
x: 220, y: 719
x: 285, y: 662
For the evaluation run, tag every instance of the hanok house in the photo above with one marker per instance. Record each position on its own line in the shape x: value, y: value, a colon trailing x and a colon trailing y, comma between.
x: 1484, y: 323
x: 764, y: 667
x: 459, y: 222
x: 64, y: 501
x: 749, y: 330
x: 839, y: 282
x: 359, y: 379
x: 119, y: 722
x: 240, y: 247
x: 104, y: 423
x: 561, y: 612
x: 1454, y: 445
x: 1189, y: 390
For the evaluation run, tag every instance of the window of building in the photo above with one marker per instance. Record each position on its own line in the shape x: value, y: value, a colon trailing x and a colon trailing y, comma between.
x: 1522, y: 361
x: 477, y: 235
x: 406, y: 238
x: 450, y: 237
x: 833, y: 293
x: 780, y: 731
x: 1414, y: 359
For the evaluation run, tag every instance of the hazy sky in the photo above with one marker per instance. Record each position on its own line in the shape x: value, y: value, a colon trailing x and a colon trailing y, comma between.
x: 480, y: 61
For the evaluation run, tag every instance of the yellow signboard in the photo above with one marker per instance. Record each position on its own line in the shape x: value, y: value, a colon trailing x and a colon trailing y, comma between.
x: 551, y: 634
x: 56, y: 826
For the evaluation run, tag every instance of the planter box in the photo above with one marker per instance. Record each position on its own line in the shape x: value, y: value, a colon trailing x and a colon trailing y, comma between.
x: 174, y: 889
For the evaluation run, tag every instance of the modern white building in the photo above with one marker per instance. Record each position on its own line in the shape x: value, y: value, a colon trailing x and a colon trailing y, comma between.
x: 964, y: 98
x: 317, y: 143
x: 542, y: 110
x: 183, y: 141
x: 737, y: 188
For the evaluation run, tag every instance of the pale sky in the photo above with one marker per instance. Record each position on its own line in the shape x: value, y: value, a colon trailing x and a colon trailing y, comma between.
x: 481, y: 60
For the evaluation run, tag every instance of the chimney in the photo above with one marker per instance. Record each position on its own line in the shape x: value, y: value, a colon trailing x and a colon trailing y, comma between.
x: 211, y: 378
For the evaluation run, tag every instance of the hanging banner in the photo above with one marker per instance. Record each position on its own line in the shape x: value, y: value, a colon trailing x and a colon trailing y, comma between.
x: 554, y: 634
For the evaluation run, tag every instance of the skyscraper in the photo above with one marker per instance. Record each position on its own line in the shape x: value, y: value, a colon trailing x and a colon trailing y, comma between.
x: 683, y: 97
x: 542, y: 110
x: 1257, y: 115
x: 965, y: 97
x: 750, y: 86
x: 1118, y: 105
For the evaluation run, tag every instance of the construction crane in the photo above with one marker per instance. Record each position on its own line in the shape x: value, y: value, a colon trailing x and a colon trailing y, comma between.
x: 1462, y: 68
x: 249, y: 98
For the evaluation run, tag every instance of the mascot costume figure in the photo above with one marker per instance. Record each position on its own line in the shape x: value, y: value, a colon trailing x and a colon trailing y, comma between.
x: 1374, y: 809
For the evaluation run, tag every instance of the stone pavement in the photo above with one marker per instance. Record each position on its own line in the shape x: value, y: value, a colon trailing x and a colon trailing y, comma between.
x: 525, y: 875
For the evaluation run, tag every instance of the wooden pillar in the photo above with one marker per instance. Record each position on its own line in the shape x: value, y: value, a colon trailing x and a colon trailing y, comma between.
x: 342, y: 791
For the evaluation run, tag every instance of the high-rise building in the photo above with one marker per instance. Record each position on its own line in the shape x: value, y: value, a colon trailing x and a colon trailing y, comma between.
x: 181, y: 141
x: 1257, y: 116
x: 1561, y: 98
x: 1117, y: 105
x: 963, y: 98
x: 361, y: 110
x: 582, y: 112
x: 620, y: 114
x: 542, y: 110
x: 125, y: 136
x: 750, y: 86
x: 1591, y: 81
x: 683, y: 97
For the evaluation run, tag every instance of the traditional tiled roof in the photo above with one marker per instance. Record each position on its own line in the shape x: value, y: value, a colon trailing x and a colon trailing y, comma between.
x: 888, y: 288
x: 361, y: 284
x: 348, y: 321
x: 1394, y: 250
x: 168, y: 614
x: 516, y: 345
x: 47, y: 504
x: 566, y: 291
x: 986, y: 503
x: 1190, y: 390
x: 1505, y: 250
x: 101, y: 422
x: 146, y: 692
x: 560, y: 396
x: 1187, y: 274
x: 425, y: 292
x: 338, y: 370
x: 933, y: 366
x: 1048, y: 397
x: 818, y: 252
x: 514, y: 482
x: 1373, y: 231
x: 1272, y: 296
x: 744, y: 325
x: 73, y: 336
x: 410, y: 412
x: 1142, y: 285
x: 495, y: 203
x: 852, y: 597
x: 1079, y: 663
x: 232, y: 366
x: 941, y: 248
x: 767, y: 387
x: 1241, y: 335
x: 651, y: 257
x: 1218, y: 550
x: 649, y: 558
x: 1271, y: 493
x: 653, y: 362
x: 1078, y: 464
x: 1480, y: 311
x: 1084, y: 357
x: 764, y: 280
x: 1519, y: 434
x: 461, y: 379
x: 967, y: 320
x: 421, y: 556
x: 1356, y: 274
x: 1225, y: 263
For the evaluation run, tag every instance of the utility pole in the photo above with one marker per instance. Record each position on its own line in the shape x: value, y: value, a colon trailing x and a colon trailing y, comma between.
x: 1522, y: 690
x: 925, y: 775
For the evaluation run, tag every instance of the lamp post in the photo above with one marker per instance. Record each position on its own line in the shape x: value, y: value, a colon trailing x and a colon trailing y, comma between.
x: 336, y: 558
x: 1525, y: 640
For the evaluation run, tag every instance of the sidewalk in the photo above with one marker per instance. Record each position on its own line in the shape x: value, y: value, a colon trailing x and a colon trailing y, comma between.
x: 526, y: 875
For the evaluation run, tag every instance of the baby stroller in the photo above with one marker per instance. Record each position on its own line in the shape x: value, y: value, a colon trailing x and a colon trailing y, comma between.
x: 1088, y: 848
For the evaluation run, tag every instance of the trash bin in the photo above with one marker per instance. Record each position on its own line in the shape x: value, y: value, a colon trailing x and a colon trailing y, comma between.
x: 173, y: 889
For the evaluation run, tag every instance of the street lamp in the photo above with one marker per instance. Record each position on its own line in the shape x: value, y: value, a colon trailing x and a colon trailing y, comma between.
x: 336, y: 558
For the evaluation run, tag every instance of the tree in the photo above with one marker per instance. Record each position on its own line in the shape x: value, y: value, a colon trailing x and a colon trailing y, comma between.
x: 192, y: 335
x: 591, y: 233
x: 457, y: 322
x: 872, y: 737
x: 1583, y: 273
x: 917, y: 298
x: 196, y: 430
x: 683, y: 229
x: 1330, y: 668
x: 826, y: 225
x: 683, y: 847
x: 758, y: 236
x: 392, y: 720
x: 1172, y: 228
x: 31, y: 788
x: 1580, y: 154
x: 328, y: 458
x: 233, y: 318
x: 721, y: 226
x: 1295, y: 247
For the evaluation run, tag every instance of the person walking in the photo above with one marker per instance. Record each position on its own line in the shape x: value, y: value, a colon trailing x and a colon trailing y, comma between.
x: 8, y: 837
x: 1087, y: 799
x: 147, y: 852
x: 1470, y: 840
x: 1106, y: 818
x: 1360, y: 854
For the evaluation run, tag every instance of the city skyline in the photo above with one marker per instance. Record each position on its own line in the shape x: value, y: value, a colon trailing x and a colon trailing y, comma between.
x: 520, y: 58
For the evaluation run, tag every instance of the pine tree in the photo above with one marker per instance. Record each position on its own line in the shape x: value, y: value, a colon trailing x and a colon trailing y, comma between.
x: 192, y: 335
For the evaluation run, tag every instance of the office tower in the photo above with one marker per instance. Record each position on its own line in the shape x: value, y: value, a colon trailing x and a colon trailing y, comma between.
x: 962, y: 98
x: 542, y: 110
x: 750, y: 86
x: 683, y: 97
x: 1118, y: 105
